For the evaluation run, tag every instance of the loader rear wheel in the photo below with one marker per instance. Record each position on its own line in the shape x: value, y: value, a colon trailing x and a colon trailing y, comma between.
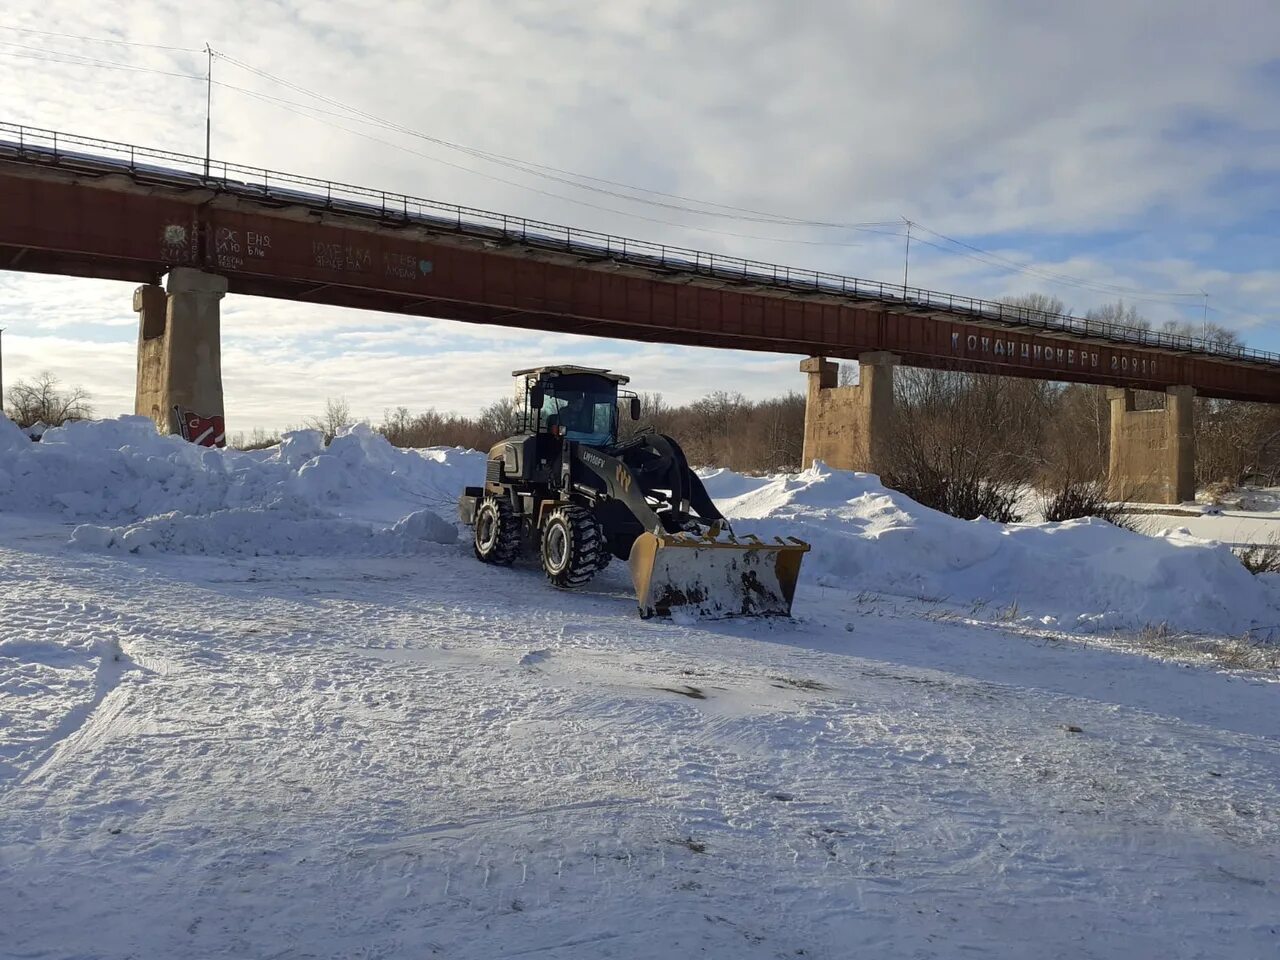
x: 571, y: 546
x: 497, y: 536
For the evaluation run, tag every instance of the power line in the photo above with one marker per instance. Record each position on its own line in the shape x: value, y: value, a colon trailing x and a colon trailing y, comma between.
x: 123, y: 43
x: 527, y: 167
x: 1253, y: 319
x: 570, y: 178
x: 995, y: 259
x: 96, y: 64
x: 555, y: 173
x: 308, y: 111
x: 302, y: 110
x: 1167, y: 299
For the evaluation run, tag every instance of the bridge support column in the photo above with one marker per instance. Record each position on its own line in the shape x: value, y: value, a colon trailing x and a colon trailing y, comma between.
x: 850, y: 428
x: 179, y: 347
x: 1153, y: 452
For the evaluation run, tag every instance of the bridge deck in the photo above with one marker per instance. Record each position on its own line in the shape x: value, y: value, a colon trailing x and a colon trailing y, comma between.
x: 966, y: 332
x: 174, y: 169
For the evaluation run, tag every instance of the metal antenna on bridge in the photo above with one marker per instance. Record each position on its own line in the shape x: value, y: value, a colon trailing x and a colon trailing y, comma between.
x: 1204, y: 324
x: 208, y: 107
x: 906, y: 259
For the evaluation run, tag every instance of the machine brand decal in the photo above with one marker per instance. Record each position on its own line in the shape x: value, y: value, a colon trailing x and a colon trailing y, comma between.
x: 592, y: 459
x: 624, y: 478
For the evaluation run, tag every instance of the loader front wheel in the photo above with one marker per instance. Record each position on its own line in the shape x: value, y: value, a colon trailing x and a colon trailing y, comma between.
x: 497, y: 527
x: 571, y: 545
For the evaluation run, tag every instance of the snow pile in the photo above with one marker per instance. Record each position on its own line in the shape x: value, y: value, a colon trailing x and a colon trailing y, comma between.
x: 1082, y: 575
x: 280, y: 528
x: 138, y: 491
x: 133, y: 490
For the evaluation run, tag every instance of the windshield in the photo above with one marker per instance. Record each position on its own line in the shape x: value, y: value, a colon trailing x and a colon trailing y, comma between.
x: 586, y: 406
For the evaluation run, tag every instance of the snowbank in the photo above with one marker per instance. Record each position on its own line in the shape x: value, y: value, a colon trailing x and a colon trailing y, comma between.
x: 1082, y: 575
x: 137, y: 491
x: 133, y: 490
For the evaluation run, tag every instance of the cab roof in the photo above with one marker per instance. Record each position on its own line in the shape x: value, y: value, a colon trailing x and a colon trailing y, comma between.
x: 557, y: 370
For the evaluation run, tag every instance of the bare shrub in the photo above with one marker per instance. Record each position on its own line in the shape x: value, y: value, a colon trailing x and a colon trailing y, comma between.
x: 1246, y: 652
x: 967, y: 498
x: 1073, y: 499
x: 1260, y: 557
x: 1216, y: 492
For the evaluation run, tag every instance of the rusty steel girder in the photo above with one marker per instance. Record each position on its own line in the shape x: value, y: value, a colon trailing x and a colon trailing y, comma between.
x: 111, y: 226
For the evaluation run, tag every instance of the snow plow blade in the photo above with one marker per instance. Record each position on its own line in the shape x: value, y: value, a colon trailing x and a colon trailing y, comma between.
x: 715, y: 578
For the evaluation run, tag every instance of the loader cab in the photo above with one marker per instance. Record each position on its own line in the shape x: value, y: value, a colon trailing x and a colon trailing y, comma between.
x: 576, y: 403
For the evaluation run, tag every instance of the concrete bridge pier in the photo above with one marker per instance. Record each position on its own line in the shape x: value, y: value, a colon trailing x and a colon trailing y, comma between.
x: 850, y: 428
x: 179, y: 347
x: 1153, y: 452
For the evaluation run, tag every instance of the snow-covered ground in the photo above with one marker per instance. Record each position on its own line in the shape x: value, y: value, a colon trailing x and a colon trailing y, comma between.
x: 1244, y: 517
x: 245, y: 714
x: 1247, y: 516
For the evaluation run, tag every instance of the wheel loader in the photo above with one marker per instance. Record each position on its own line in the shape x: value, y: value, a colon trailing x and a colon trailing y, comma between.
x: 571, y: 493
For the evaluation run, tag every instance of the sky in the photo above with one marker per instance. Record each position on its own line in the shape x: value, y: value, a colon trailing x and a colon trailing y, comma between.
x: 1091, y: 151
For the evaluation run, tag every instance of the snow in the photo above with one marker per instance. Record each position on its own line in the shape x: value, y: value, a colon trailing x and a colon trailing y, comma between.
x: 1081, y: 575
x: 359, y: 496
x: 147, y: 493
x: 242, y: 715
x: 1247, y: 516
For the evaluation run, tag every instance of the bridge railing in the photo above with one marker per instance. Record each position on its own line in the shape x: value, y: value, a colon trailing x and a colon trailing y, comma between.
x: 143, y: 163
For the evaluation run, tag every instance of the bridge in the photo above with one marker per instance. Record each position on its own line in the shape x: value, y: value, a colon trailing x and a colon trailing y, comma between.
x: 79, y: 206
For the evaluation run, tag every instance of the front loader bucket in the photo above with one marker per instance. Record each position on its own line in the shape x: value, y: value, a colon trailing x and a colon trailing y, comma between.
x: 715, y: 578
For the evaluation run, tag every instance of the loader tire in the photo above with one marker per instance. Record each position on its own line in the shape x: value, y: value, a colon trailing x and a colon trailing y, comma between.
x: 497, y: 532
x: 571, y: 546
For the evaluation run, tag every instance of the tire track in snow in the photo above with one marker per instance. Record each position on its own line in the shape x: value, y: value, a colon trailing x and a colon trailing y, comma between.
x: 68, y: 619
x: 86, y: 724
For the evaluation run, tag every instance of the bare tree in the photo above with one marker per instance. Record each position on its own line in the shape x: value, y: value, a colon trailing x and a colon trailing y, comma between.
x: 41, y: 399
x: 1215, y: 334
x: 503, y: 418
x: 1038, y: 303
x: 336, y: 417
x: 653, y: 414
x: 964, y: 443
x: 1121, y: 314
